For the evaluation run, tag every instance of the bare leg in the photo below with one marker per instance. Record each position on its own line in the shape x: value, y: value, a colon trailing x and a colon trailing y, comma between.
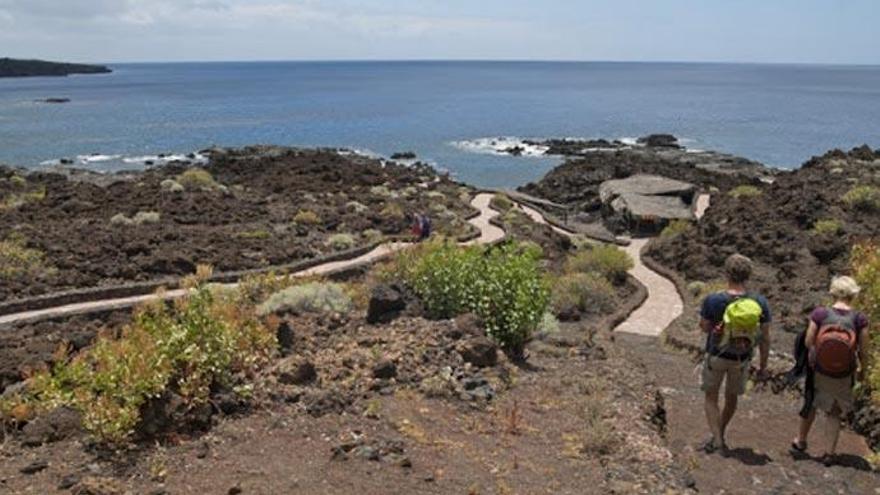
x: 730, y: 402
x: 833, y: 429
x: 713, y: 418
x: 805, y: 426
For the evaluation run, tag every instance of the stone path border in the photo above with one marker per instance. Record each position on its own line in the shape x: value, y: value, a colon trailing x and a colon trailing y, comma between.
x: 660, y: 308
x: 488, y: 234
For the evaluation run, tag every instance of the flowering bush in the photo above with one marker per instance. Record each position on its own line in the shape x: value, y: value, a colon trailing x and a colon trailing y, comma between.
x: 502, y: 285
x: 204, y: 340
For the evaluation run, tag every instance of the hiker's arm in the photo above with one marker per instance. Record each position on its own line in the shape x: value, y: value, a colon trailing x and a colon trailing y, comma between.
x: 810, y: 339
x: 764, y: 346
x: 706, y: 325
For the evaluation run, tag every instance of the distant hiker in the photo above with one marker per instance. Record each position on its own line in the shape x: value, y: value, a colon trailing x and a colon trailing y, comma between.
x: 426, y: 227
x: 416, y: 226
x: 837, y: 343
x: 735, y: 321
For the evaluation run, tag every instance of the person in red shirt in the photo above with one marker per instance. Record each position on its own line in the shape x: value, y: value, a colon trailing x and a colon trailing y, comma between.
x: 832, y: 394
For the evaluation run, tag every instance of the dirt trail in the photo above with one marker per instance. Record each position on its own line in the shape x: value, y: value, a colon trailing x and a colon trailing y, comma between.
x: 761, y: 431
x: 488, y: 233
x: 759, y: 436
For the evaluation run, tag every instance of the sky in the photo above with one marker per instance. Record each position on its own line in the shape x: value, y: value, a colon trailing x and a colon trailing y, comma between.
x: 790, y: 31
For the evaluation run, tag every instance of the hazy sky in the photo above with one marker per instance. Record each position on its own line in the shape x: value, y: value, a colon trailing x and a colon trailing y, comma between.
x: 826, y: 31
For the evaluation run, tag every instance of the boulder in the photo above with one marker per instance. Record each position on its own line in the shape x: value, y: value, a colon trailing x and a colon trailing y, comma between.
x: 385, y: 369
x: 284, y: 335
x: 659, y: 141
x: 466, y: 325
x: 386, y: 303
x: 60, y: 423
x: 479, y: 351
x: 298, y: 374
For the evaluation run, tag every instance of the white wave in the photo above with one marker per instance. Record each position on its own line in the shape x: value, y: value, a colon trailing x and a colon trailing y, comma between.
x: 164, y: 159
x: 50, y: 163
x: 86, y: 159
x: 500, y: 146
x: 629, y: 141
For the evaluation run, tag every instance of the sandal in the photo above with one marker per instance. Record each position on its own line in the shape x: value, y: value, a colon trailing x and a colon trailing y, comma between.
x: 798, y: 447
x: 828, y: 459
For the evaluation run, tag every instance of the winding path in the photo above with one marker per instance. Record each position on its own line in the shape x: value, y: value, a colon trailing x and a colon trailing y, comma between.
x: 663, y: 304
x: 488, y: 233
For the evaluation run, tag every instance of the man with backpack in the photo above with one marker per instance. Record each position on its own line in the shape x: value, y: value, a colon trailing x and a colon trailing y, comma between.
x: 837, y: 343
x: 735, y: 322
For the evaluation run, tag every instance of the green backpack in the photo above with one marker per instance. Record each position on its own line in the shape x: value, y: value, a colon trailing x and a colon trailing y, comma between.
x: 741, y: 325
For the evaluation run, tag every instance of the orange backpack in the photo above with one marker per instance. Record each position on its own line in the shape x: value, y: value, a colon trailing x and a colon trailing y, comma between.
x: 837, y: 343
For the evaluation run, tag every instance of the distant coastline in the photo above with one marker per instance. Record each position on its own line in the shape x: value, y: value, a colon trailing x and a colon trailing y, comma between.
x: 10, y: 67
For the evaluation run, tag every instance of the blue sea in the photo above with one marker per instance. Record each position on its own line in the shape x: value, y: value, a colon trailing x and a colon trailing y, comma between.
x: 444, y: 111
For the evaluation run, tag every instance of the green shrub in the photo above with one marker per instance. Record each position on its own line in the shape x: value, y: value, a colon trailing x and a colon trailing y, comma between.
x: 609, y: 261
x: 676, y: 228
x: 341, y: 242
x: 258, y: 234
x: 502, y: 285
x: 144, y: 217
x: 313, y: 297
x: 866, y: 271
x: 203, y: 341
x: 744, y: 191
x: 828, y: 226
x: 15, y: 200
x: 700, y: 289
x: 198, y: 179
x: 864, y: 198
x: 599, y: 437
x: 121, y: 219
x: 549, y: 323
x: 140, y: 218
x: 393, y: 211
x: 307, y: 217
x: 356, y: 207
x: 18, y: 181
x: 501, y: 203
x: 171, y: 185
x: 372, y: 235
x: 590, y: 293
x: 382, y: 191
x: 17, y: 260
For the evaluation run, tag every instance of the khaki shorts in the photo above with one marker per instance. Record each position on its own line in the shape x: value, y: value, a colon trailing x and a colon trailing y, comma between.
x: 830, y: 391
x: 715, y: 369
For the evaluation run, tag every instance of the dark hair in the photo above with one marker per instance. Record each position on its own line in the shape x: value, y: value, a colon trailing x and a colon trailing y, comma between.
x: 738, y: 268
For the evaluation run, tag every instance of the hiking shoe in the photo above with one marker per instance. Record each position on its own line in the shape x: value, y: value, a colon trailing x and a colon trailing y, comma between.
x: 709, y: 446
x: 798, y: 447
x: 828, y: 459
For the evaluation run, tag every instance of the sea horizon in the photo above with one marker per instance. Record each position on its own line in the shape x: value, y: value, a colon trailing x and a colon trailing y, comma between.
x: 443, y: 110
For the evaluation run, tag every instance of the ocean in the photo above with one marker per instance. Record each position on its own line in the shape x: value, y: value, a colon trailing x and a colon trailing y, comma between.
x: 446, y: 112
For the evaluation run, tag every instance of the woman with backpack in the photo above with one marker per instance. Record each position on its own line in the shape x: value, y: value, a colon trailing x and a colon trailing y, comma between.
x: 837, y: 342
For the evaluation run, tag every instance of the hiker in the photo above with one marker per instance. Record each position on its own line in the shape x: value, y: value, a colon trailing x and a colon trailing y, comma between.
x: 416, y: 226
x: 426, y: 227
x: 735, y: 322
x: 837, y: 343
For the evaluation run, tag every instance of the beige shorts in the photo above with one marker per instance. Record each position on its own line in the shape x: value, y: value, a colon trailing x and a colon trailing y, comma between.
x: 715, y: 369
x: 830, y: 391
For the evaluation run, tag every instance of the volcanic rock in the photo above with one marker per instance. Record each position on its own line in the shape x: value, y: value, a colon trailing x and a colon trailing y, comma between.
x: 479, y: 351
x: 386, y: 303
